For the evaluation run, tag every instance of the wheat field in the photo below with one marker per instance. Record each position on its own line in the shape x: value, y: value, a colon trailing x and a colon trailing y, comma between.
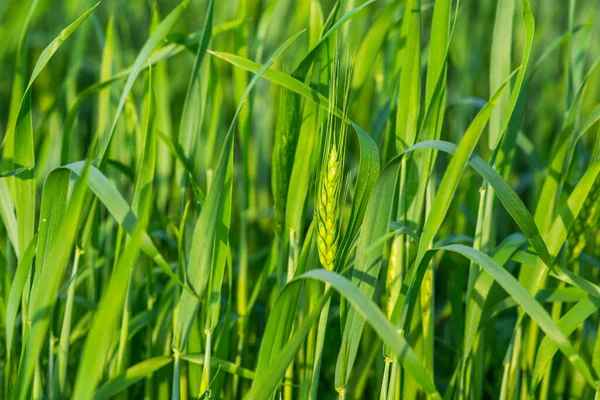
x: 300, y: 199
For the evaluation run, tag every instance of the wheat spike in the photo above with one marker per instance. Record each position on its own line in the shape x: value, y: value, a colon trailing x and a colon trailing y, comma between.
x: 328, y: 207
x: 328, y: 212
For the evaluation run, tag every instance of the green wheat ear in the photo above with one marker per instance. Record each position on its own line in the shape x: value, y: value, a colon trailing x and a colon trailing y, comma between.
x: 328, y: 207
x: 328, y: 211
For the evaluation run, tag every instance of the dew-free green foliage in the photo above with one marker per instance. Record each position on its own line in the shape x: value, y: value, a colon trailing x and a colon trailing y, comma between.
x: 278, y: 199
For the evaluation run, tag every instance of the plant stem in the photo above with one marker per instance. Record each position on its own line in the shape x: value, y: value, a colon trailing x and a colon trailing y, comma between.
x: 318, y: 358
x: 204, y: 385
x: 65, y: 333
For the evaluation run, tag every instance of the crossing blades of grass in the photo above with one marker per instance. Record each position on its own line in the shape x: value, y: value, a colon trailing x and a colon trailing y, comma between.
x: 366, y: 267
x: 18, y: 89
x: 157, y: 36
x: 165, y: 53
x: 112, y: 199
x: 23, y: 140
x: 557, y: 234
x: 511, y: 201
x: 369, y: 162
x: 193, y: 106
x: 204, y: 250
x: 264, y: 384
x: 43, y: 300
x: 450, y: 180
x: 529, y: 305
x: 568, y: 323
x: 105, y: 319
x: 191, y: 266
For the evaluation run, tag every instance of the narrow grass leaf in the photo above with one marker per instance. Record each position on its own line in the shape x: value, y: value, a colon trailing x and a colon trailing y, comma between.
x: 16, y: 291
x: 153, y: 41
x: 193, y: 109
x: 7, y: 213
x: 131, y: 376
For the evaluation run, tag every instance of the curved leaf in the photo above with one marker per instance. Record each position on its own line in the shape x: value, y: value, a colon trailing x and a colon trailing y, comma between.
x: 528, y: 303
x: 511, y: 201
x: 567, y: 324
x: 266, y: 381
x: 112, y: 199
x: 155, y: 38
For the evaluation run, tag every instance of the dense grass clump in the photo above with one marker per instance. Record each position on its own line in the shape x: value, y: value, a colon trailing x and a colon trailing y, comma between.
x: 277, y: 199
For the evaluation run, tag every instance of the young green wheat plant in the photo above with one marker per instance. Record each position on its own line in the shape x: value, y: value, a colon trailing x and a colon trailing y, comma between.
x: 318, y: 199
